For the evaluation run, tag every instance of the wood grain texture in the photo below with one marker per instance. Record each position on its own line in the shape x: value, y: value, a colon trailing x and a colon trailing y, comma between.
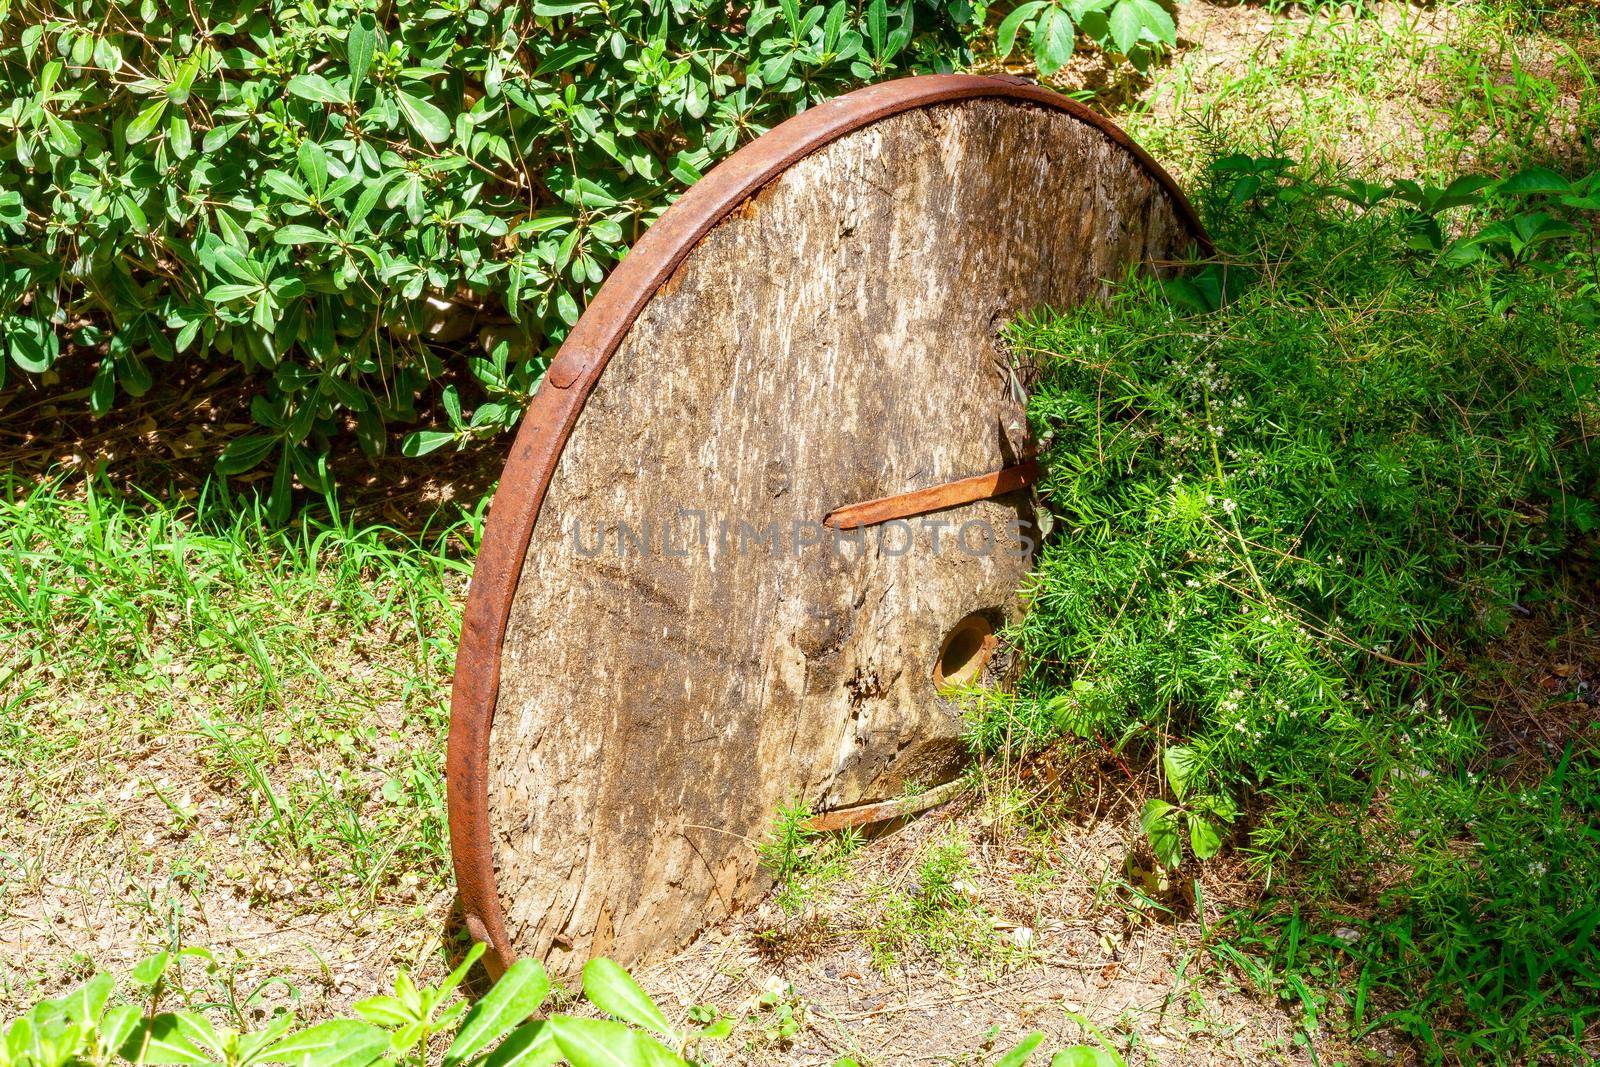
x: 835, y: 340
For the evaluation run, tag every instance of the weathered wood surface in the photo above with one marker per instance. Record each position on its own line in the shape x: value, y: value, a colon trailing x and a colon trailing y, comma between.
x: 834, y: 341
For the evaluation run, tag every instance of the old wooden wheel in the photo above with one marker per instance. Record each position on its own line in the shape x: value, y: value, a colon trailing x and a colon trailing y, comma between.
x: 645, y: 676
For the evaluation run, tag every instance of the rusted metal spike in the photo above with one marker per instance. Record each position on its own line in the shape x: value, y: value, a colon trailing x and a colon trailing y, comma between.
x: 883, y: 810
x: 934, y: 497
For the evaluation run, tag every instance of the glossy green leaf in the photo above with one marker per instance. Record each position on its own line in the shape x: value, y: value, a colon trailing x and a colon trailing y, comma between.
x: 1203, y: 837
x: 33, y: 344
x: 336, y: 1043
x: 426, y: 119
x: 1005, y: 37
x: 361, y: 45
x: 151, y: 969
x: 87, y: 1003
x: 245, y: 453
x: 63, y: 137
x: 218, y: 136
x: 517, y: 995
x: 1053, y: 36
x: 421, y: 442
x: 223, y: 294
x: 1178, y: 763
x: 116, y: 1024
x: 103, y: 387
x: 313, y: 166
x: 302, y: 235
x: 533, y: 1045
x: 183, y: 80
x: 146, y: 121
x: 1159, y: 821
x: 605, y: 1043
x: 613, y: 990
x: 1535, y: 181
x: 1020, y: 1055
x: 1125, y: 24
x: 163, y: 1040
x: 1133, y: 21
x: 315, y: 87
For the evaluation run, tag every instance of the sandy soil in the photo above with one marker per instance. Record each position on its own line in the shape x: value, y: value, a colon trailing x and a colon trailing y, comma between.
x: 1051, y: 928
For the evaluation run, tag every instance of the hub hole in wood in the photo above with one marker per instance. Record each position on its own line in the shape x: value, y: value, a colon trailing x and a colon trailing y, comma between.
x: 965, y: 652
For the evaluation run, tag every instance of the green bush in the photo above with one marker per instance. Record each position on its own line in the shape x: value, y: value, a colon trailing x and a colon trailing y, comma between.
x: 412, y: 1026
x: 336, y: 195
x: 1291, y: 494
x: 378, y: 207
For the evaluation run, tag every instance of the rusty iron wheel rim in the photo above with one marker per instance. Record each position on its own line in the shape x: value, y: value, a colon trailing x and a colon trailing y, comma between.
x: 572, y: 376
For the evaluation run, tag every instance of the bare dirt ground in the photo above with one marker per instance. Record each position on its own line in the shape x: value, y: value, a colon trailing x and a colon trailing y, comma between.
x: 283, y: 830
x: 1051, y: 928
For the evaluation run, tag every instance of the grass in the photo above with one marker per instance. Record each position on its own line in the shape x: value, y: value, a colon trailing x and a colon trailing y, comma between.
x: 1288, y: 519
x: 1378, y: 89
x: 938, y: 912
x: 929, y: 912
x: 205, y: 707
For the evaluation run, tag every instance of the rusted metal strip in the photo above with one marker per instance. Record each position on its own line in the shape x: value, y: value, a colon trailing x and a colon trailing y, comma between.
x: 934, y: 497
x: 883, y: 810
x: 572, y: 376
